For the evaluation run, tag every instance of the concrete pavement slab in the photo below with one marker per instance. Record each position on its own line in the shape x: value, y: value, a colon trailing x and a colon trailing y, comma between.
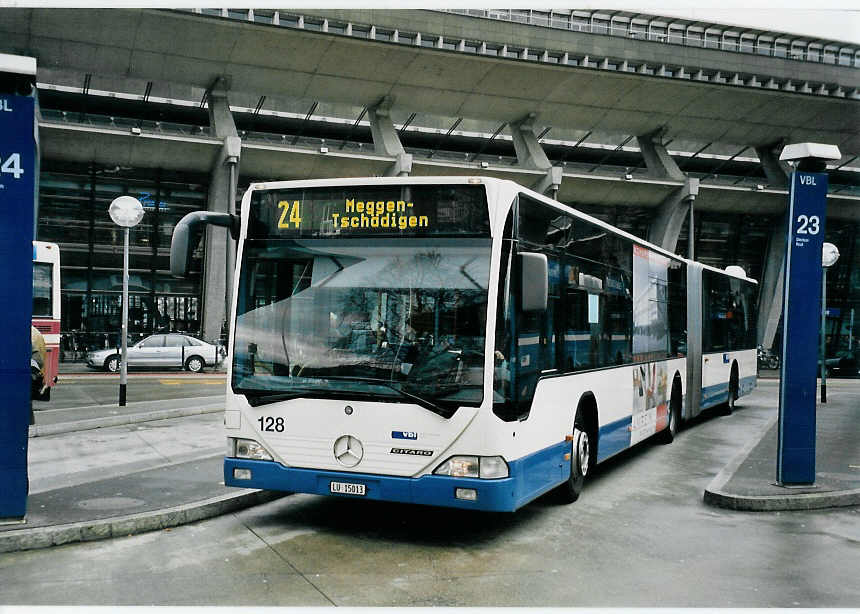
x: 181, y: 490
x: 144, y: 501
x: 67, y: 420
x: 748, y: 482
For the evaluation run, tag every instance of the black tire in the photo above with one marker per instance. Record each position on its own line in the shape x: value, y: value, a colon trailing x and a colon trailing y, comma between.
x: 733, y: 393
x: 112, y: 363
x: 194, y: 364
x: 582, y: 459
x: 667, y: 435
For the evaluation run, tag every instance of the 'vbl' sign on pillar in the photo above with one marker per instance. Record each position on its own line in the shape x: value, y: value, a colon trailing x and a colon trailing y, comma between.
x: 801, y: 317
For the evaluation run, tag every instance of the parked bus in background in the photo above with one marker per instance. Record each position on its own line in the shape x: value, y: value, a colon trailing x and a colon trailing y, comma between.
x: 461, y: 342
x: 46, y: 309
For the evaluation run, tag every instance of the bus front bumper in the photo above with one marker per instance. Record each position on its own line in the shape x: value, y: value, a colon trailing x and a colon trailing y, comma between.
x: 498, y: 495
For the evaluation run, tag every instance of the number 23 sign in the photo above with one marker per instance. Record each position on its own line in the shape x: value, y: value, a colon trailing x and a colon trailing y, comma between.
x: 801, y: 313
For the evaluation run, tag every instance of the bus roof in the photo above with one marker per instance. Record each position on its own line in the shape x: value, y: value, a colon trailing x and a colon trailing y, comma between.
x: 46, y: 252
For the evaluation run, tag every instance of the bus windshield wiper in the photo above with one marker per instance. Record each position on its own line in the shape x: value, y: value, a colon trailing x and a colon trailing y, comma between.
x: 257, y: 397
x: 425, y: 403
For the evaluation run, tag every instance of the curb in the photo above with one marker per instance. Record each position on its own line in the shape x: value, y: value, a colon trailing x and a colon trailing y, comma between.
x: 786, y: 503
x: 96, y: 423
x: 123, y: 526
x: 715, y: 495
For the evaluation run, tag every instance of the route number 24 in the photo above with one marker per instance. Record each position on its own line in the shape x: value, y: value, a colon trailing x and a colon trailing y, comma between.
x: 12, y: 165
x: 809, y: 225
x: 294, y: 211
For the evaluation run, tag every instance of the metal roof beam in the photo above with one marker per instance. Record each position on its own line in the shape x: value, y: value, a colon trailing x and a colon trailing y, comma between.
x: 305, y: 122
x: 354, y: 126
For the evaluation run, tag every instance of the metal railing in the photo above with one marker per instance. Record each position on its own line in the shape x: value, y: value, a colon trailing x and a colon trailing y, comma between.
x: 745, y: 41
x: 712, y: 35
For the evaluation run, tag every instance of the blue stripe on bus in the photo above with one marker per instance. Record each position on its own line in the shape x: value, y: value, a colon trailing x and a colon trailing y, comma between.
x: 530, y: 477
x: 719, y: 393
x: 714, y: 395
x: 614, y: 438
x: 747, y: 385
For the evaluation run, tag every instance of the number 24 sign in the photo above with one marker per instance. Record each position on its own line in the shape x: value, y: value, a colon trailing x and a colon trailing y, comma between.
x: 11, y: 165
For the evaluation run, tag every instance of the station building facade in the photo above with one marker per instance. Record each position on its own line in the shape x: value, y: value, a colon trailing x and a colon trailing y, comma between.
x: 74, y: 193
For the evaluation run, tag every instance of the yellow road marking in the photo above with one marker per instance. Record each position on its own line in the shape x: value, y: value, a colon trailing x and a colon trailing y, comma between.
x: 205, y: 382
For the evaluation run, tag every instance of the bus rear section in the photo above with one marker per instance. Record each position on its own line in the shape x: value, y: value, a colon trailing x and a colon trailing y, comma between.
x: 46, y: 310
x: 723, y: 306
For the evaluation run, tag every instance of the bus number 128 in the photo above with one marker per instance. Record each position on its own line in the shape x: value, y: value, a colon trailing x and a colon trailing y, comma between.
x: 270, y: 424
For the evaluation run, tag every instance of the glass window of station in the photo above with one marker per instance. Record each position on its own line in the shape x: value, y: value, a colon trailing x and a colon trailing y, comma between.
x: 73, y: 212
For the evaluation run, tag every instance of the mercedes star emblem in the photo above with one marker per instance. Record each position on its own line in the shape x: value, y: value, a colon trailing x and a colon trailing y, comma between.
x: 348, y: 450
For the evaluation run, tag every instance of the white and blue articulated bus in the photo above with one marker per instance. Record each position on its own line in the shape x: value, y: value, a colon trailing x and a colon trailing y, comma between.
x: 460, y: 342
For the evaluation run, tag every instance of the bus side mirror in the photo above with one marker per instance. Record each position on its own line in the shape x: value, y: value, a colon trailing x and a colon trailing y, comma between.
x: 534, y: 284
x: 187, y: 233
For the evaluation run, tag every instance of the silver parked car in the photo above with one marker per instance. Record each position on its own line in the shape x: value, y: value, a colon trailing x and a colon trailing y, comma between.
x: 169, y: 350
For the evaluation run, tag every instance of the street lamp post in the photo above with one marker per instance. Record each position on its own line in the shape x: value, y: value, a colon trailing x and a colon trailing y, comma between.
x: 829, y: 256
x: 125, y: 211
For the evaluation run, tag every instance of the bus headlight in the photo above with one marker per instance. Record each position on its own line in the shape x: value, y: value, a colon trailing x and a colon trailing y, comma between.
x: 484, y: 467
x: 247, y: 448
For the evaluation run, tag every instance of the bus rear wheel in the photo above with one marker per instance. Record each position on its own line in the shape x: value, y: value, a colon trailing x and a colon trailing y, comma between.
x: 581, y: 461
x: 667, y: 435
x: 733, y: 393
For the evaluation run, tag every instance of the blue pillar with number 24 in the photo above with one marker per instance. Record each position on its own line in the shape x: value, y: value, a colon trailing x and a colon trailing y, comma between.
x: 801, y: 317
x: 17, y: 185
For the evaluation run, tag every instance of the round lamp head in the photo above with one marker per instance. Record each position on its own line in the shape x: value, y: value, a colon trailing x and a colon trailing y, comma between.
x: 829, y: 255
x: 736, y: 271
x: 126, y: 211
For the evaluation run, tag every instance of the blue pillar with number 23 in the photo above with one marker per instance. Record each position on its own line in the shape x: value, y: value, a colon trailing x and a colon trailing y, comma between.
x: 801, y: 317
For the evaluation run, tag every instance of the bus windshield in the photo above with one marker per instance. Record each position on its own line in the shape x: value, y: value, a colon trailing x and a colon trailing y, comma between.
x: 393, y: 318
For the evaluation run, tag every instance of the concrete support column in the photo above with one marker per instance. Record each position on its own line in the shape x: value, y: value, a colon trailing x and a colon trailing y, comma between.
x: 550, y: 182
x: 671, y: 214
x: 386, y: 141
x: 657, y: 159
x: 530, y: 154
x: 771, y: 286
x: 777, y: 172
x: 773, y: 272
x: 220, y: 248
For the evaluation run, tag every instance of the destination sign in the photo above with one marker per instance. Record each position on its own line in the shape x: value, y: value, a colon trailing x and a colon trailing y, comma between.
x: 369, y: 211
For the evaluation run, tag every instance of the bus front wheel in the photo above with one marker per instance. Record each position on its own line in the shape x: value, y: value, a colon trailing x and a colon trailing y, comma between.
x: 581, y: 460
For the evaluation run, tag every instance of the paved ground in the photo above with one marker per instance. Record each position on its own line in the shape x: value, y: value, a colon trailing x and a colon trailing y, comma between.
x: 749, y: 481
x: 639, y: 536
